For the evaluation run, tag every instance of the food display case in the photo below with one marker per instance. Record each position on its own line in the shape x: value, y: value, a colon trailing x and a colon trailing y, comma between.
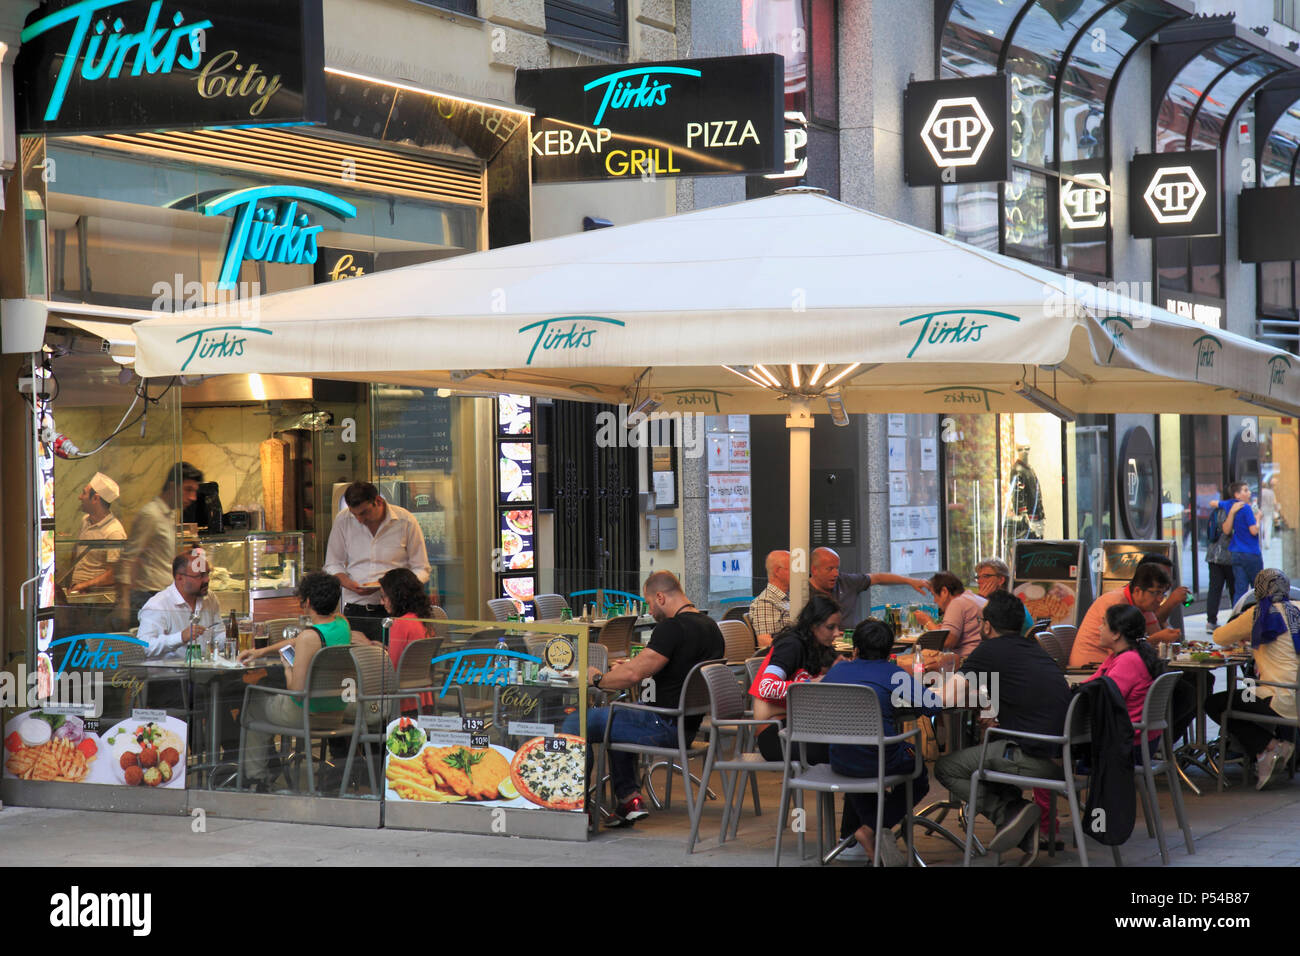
x: 255, y: 573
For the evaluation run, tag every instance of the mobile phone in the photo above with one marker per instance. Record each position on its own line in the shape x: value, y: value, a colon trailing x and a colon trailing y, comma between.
x: 286, y: 653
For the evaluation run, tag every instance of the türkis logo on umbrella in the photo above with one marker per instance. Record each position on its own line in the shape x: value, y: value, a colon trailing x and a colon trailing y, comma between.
x: 1278, y: 366
x: 565, y: 332
x: 1207, y: 348
x: 952, y: 326
x: 965, y: 395
x: 1116, y: 327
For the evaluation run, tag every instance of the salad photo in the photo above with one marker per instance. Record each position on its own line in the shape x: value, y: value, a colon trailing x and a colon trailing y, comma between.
x: 405, y: 738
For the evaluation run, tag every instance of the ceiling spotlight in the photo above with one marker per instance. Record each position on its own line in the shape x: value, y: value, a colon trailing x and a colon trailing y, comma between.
x: 125, y: 374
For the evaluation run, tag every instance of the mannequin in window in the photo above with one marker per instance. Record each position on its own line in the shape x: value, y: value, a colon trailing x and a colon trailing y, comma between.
x: 1024, y: 514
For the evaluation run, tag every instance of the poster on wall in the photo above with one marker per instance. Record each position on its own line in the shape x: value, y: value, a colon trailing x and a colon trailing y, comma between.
x: 61, y: 743
x: 729, y: 492
x: 442, y: 760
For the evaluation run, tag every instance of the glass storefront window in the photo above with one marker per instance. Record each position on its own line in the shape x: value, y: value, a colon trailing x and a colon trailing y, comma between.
x: 1279, y: 492
x: 1030, y: 455
x: 731, y: 542
x: 1175, y: 497
x: 1028, y: 216
x: 972, y: 490
x: 970, y: 214
x: 913, y: 495
x: 1087, y: 444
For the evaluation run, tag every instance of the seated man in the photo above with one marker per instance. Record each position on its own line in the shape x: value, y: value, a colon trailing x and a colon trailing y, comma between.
x: 1032, y: 697
x: 961, y: 613
x: 1146, y: 591
x: 770, y: 611
x: 184, y: 611
x: 682, y: 638
x: 871, y: 667
x: 992, y: 574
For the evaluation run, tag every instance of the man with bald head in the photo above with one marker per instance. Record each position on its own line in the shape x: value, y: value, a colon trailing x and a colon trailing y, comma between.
x: 770, y: 611
x: 825, y: 578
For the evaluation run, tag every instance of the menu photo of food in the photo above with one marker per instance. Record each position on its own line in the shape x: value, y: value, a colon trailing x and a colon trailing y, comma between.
x: 521, y: 588
x: 146, y: 753
x: 515, y: 465
x: 50, y: 747
x: 514, y: 415
x: 517, y: 540
x: 1051, y: 599
x: 545, y: 773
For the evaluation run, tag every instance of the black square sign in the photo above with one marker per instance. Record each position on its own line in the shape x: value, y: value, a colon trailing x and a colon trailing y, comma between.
x: 955, y: 131
x: 1174, y: 194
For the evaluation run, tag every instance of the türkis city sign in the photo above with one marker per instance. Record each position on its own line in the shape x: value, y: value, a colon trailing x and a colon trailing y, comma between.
x: 123, y: 65
x: 646, y: 120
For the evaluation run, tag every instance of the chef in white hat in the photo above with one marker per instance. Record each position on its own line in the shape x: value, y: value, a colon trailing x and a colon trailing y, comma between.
x: 93, y: 568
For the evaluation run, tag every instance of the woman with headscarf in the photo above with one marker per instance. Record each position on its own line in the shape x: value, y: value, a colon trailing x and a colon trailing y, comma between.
x: 1273, y: 632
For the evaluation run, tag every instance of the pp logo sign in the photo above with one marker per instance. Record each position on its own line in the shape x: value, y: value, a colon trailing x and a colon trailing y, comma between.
x: 956, y: 132
x: 1083, y: 202
x: 1174, y: 195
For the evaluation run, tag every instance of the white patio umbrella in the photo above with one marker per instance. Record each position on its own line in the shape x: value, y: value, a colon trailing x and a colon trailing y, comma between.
x: 761, y: 306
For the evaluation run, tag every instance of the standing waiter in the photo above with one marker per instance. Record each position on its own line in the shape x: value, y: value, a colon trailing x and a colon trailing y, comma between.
x: 369, y: 539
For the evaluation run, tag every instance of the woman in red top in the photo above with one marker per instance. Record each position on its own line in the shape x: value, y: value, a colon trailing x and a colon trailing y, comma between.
x: 405, y: 599
x: 1133, y: 663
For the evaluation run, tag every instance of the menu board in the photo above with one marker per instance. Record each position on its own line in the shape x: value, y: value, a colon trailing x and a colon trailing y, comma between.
x: 515, y: 468
x: 62, y: 742
x: 1046, y: 576
x: 412, y: 435
x: 517, y: 549
x: 514, y: 415
x: 1119, y: 559
x: 442, y: 760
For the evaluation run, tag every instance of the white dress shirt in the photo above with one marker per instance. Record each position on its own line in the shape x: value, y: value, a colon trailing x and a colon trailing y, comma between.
x: 354, y: 551
x: 166, y: 615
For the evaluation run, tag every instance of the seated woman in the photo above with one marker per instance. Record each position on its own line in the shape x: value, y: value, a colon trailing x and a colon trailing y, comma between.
x: 803, y: 651
x: 872, y: 668
x: 1133, y: 663
x: 405, y: 600
x: 1273, y: 630
x: 318, y: 596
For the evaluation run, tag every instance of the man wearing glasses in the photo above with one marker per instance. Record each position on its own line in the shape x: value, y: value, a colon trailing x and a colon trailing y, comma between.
x: 992, y: 574
x: 182, y: 612
x: 1146, y: 592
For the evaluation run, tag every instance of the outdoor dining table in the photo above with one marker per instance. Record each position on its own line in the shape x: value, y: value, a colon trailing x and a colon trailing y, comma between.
x: 210, y: 674
x: 1196, y: 753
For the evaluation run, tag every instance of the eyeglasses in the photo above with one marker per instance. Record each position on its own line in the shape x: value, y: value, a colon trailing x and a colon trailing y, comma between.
x: 988, y: 574
x: 1162, y: 594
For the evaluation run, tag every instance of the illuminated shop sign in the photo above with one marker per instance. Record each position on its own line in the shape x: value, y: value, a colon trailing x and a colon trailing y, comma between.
x: 955, y: 131
x: 272, y: 233
x: 1174, y: 194
x: 120, y: 65
x: 1084, y: 202
x: 683, y: 118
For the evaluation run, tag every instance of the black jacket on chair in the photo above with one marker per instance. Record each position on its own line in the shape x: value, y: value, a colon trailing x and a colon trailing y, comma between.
x: 1111, y: 809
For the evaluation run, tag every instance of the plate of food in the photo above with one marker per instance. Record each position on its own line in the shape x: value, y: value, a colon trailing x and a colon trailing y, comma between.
x: 51, y: 747
x: 522, y: 493
x: 521, y: 589
x: 405, y: 738
x: 511, y: 543
x: 523, y: 561
x: 511, y: 475
x: 520, y: 521
x: 551, y: 778
x: 517, y: 451
x: 147, y: 753
x: 454, y: 775
x: 1050, y: 599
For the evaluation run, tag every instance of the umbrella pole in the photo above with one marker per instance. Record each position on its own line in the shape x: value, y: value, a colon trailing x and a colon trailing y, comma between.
x: 800, y: 424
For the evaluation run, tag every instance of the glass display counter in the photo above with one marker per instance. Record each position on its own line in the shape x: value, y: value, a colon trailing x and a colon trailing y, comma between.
x: 256, y: 572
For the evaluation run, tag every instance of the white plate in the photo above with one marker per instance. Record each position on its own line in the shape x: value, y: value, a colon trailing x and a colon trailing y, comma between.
x: 112, y: 752
x: 519, y: 803
x: 518, y: 451
x: 511, y: 475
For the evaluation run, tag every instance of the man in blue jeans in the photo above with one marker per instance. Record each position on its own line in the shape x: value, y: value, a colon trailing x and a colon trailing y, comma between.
x: 682, y: 638
x: 1243, y: 547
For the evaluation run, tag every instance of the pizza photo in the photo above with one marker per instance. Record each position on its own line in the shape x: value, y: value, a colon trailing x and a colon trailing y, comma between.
x: 552, y: 780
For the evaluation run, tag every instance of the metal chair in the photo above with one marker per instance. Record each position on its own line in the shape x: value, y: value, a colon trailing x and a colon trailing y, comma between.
x: 549, y: 606
x: 501, y: 608
x: 275, y: 628
x: 377, y: 705
x: 736, y: 613
x: 1077, y: 730
x: 693, y: 702
x: 933, y: 640
x: 1065, y: 634
x: 1157, y: 714
x: 616, y: 635
x: 840, y: 714
x: 1253, y: 718
x: 1049, y: 642
x: 738, y: 640
x: 415, y: 670
x: 328, y: 669
x: 727, y: 717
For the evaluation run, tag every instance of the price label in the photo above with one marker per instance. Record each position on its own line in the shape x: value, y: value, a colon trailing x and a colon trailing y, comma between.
x: 478, y: 741
x: 556, y: 745
x: 449, y: 740
x: 79, y: 710
x: 157, y: 716
x: 428, y: 722
x: 471, y: 724
x: 521, y: 728
x: 92, y: 726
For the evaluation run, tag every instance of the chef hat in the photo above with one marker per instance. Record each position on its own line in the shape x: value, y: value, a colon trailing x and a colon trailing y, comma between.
x: 105, y: 487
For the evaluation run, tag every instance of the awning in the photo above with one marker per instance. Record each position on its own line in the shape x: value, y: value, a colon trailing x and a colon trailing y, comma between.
x: 23, y: 323
x: 689, y: 307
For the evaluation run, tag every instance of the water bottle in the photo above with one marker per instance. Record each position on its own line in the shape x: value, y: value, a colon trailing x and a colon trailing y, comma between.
x: 502, y: 662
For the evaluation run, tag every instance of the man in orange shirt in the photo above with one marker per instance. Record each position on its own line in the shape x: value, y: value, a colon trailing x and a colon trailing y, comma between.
x: 1145, y: 592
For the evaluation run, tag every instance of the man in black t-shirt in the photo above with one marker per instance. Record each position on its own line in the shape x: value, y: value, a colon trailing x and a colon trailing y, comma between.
x: 682, y: 638
x: 1030, y: 695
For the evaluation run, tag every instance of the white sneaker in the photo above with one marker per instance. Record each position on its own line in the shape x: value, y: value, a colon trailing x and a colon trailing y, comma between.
x: 854, y: 853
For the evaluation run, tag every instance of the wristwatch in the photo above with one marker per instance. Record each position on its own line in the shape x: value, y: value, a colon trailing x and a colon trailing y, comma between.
x: 595, y: 681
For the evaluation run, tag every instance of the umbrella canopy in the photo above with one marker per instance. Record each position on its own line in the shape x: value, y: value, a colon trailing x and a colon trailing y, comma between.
x: 916, y: 323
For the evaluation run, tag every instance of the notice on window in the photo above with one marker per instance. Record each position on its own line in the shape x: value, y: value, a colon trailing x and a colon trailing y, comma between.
x: 929, y: 455
x: 898, y: 454
x: 898, y: 488
x: 897, y: 424
x: 728, y: 492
